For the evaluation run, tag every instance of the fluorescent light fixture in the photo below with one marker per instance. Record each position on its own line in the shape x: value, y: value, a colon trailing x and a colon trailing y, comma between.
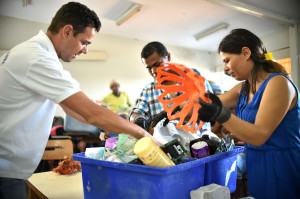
x: 132, y: 10
x: 242, y: 7
x: 211, y: 31
x: 245, y: 10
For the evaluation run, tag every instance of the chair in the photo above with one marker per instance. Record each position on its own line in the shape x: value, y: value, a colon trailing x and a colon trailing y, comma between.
x: 56, y: 149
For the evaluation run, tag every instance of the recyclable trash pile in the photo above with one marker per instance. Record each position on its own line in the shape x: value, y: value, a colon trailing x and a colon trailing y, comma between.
x: 209, y: 145
x: 127, y: 149
x: 190, y: 87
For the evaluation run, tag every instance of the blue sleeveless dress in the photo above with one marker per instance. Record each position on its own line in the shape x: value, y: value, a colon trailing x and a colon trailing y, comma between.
x: 273, y: 169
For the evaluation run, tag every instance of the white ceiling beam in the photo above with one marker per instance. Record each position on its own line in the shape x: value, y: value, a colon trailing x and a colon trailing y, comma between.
x: 211, y: 31
x: 258, y: 12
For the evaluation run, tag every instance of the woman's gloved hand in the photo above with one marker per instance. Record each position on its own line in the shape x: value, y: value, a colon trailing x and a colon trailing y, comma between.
x: 142, y: 121
x: 163, y: 115
x: 214, y: 111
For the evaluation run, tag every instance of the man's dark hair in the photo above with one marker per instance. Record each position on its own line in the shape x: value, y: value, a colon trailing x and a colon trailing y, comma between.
x: 77, y: 15
x: 152, y: 47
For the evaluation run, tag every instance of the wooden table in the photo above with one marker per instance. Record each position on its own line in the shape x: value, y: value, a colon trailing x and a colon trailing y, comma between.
x: 54, y: 186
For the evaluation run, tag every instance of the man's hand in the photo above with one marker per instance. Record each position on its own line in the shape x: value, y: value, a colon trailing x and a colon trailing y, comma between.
x: 163, y: 115
x: 214, y: 111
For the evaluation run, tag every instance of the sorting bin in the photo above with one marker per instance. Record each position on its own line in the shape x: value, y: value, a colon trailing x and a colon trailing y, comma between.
x: 74, y: 126
x: 221, y: 169
x: 103, y: 179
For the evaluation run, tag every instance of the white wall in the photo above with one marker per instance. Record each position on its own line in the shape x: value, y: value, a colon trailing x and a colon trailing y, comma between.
x: 123, y: 62
x: 275, y: 42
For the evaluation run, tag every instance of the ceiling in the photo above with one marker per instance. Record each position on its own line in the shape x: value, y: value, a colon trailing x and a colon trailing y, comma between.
x: 173, y: 22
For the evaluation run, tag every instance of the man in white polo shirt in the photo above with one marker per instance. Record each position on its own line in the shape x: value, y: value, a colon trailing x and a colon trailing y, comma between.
x: 33, y: 82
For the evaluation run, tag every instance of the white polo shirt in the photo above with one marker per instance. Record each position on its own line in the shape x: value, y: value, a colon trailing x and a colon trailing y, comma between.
x: 32, y: 82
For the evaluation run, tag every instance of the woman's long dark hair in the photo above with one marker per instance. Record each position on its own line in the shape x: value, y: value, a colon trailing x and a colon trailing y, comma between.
x: 239, y: 38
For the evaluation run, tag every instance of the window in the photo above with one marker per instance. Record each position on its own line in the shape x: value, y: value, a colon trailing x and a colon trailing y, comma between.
x: 286, y: 62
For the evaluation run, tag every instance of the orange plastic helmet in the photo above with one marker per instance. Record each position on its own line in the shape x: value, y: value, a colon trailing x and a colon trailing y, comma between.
x: 176, y: 78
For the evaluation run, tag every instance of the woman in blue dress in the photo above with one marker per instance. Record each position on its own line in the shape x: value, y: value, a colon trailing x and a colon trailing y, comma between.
x: 267, y: 115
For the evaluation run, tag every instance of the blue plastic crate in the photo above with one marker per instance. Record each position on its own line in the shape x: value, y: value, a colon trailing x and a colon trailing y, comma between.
x: 74, y: 126
x: 221, y: 169
x: 103, y: 179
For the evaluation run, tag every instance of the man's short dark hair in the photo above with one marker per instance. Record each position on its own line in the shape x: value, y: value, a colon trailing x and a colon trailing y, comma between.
x: 77, y: 15
x: 152, y: 47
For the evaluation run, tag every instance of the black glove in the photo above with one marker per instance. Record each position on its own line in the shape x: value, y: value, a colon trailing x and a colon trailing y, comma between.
x: 163, y: 115
x: 214, y: 111
x: 142, y: 121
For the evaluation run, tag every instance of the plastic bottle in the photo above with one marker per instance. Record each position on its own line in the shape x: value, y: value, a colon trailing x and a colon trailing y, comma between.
x: 151, y: 154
